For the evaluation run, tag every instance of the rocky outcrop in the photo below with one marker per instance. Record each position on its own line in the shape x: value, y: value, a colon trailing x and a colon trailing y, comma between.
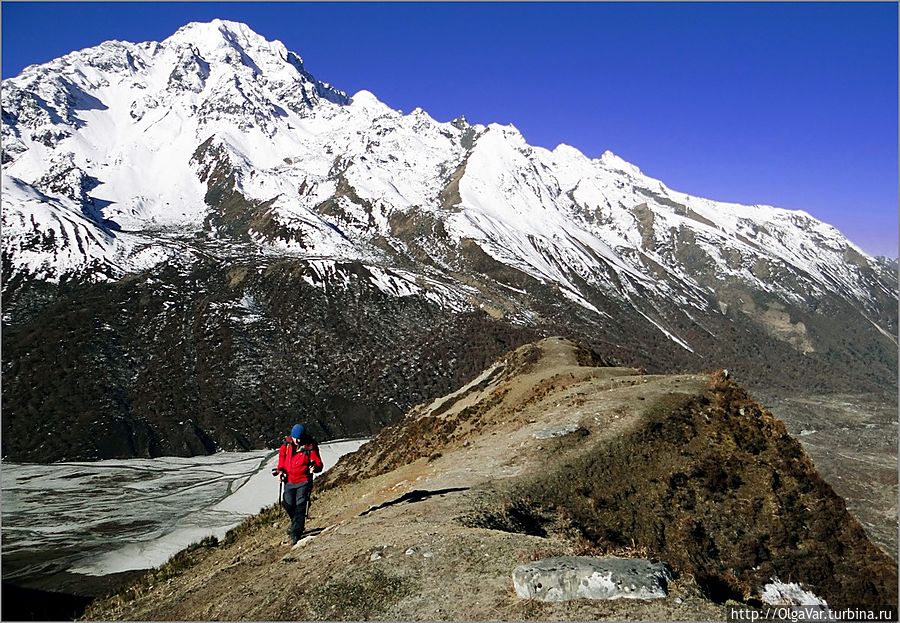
x: 582, y: 577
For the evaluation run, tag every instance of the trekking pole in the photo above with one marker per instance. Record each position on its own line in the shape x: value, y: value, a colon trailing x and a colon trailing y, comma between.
x: 309, y: 494
x: 277, y: 473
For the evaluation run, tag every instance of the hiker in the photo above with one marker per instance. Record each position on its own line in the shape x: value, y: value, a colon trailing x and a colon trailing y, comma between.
x: 298, y: 458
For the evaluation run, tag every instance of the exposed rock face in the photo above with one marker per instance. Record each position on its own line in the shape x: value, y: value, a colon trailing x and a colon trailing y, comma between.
x: 582, y: 577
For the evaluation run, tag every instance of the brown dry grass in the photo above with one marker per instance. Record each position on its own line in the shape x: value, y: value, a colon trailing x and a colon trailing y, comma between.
x: 674, y: 468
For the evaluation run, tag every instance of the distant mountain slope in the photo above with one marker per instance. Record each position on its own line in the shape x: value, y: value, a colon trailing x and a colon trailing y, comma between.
x: 544, y: 453
x: 203, y: 208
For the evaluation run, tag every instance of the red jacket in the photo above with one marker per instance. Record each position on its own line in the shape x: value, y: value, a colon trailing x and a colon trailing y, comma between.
x: 298, y: 461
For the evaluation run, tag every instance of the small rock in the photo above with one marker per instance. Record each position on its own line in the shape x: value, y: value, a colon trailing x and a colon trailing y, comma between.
x: 410, y: 551
x: 303, y: 541
x: 564, y: 578
x: 557, y: 431
x: 428, y: 555
x: 778, y: 593
x: 679, y: 600
x: 375, y: 556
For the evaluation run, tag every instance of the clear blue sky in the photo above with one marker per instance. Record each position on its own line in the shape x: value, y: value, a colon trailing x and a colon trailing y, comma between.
x: 791, y: 104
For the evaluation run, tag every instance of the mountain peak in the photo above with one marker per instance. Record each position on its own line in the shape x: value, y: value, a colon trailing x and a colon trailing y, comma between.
x: 216, y: 31
x: 219, y: 39
x: 217, y: 129
x: 612, y: 161
x: 236, y: 44
x: 367, y: 99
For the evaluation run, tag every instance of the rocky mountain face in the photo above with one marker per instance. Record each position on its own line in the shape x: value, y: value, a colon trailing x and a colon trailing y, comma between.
x: 545, y: 454
x: 203, y: 243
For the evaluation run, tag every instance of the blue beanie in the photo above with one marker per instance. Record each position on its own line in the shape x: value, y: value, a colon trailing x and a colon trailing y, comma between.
x: 297, y: 431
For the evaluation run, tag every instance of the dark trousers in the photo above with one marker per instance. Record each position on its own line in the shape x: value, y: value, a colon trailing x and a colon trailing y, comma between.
x: 294, y: 501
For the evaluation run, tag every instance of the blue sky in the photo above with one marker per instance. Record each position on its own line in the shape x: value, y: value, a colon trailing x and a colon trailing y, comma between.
x: 788, y: 104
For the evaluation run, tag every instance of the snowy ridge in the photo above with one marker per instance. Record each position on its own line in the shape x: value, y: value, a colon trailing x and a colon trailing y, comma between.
x: 137, y: 137
x: 51, y: 236
x: 328, y: 273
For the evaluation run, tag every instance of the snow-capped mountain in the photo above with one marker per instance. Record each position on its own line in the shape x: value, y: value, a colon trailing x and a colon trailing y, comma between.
x: 128, y: 160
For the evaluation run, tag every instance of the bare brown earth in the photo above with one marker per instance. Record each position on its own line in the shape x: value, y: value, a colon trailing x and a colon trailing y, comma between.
x: 429, y: 519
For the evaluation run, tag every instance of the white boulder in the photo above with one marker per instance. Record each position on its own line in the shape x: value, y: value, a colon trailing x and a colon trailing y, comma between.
x: 580, y: 577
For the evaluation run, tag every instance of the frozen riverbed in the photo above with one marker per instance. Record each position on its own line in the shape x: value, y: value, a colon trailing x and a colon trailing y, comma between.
x: 105, y: 517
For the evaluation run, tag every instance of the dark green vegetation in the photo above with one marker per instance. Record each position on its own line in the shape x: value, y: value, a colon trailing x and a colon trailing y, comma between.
x: 715, y: 486
x: 171, y: 362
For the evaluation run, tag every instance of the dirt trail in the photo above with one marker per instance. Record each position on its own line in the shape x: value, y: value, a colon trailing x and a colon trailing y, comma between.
x: 403, y: 544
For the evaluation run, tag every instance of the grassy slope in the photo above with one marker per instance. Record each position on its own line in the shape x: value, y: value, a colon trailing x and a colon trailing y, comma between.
x: 672, y: 467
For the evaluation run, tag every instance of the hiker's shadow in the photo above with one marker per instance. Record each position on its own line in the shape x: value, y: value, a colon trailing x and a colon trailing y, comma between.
x: 411, y: 497
x: 312, y: 532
